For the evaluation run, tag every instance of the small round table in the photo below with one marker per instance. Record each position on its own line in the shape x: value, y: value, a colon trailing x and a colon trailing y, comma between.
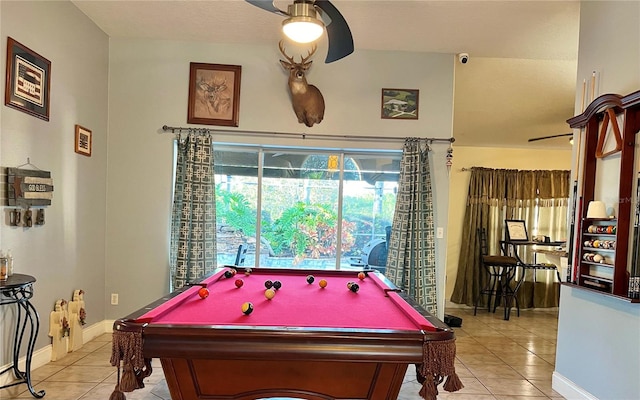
x: 18, y: 289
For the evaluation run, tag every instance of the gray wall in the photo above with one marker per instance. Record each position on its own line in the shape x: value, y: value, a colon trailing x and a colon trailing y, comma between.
x: 598, y: 338
x: 68, y: 252
x: 149, y: 88
x: 598, y: 345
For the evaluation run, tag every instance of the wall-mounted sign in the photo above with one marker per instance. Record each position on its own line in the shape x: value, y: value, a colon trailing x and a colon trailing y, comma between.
x: 27, y: 187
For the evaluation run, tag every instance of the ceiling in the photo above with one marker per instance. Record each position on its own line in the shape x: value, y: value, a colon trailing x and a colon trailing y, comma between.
x: 519, y: 82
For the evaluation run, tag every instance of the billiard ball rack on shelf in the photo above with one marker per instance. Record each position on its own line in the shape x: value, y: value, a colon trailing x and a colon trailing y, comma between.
x: 598, y: 253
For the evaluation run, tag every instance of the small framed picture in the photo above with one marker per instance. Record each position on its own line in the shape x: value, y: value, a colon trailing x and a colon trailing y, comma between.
x: 400, y: 103
x: 214, y: 94
x: 516, y: 230
x: 28, y: 80
x: 83, y: 141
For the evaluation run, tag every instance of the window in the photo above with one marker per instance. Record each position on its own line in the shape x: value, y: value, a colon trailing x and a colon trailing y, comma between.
x: 304, y: 208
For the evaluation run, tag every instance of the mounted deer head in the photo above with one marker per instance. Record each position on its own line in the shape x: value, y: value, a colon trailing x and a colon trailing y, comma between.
x: 307, y: 101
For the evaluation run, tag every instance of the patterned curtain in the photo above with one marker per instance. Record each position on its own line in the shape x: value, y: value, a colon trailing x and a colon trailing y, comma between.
x: 193, y: 219
x: 411, y: 262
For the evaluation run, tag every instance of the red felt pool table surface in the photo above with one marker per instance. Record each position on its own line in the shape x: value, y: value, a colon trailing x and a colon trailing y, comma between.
x: 307, y: 342
x: 297, y: 303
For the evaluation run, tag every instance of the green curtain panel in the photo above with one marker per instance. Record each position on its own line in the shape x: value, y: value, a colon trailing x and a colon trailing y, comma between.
x: 193, y: 220
x: 411, y: 261
x: 496, y: 195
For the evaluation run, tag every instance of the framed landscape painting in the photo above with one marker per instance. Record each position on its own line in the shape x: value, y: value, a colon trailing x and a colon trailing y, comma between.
x: 400, y: 103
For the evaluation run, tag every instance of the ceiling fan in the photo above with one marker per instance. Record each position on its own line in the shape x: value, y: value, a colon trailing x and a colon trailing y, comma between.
x: 550, y: 137
x: 305, y: 11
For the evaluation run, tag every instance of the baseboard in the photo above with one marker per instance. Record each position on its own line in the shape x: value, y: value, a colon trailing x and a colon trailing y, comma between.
x: 43, y: 355
x: 568, y: 389
x: 449, y: 304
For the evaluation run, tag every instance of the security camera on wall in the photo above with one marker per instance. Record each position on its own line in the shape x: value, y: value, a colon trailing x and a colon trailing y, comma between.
x: 463, y: 58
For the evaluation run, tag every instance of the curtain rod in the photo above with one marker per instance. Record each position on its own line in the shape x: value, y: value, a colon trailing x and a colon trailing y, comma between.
x: 176, y: 129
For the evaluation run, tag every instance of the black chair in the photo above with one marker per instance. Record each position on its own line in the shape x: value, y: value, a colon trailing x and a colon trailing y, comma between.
x: 240, y: 256
x: 500, y: 270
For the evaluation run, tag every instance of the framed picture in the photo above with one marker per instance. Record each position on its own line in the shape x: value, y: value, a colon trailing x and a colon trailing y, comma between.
x: 214, y: 94
x: 400, y: 103
x: 28, y: 80
x: 516, y: 230
x: 83, y: 141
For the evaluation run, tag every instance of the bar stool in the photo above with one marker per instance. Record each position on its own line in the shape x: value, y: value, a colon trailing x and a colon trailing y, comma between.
x: 501, y: 271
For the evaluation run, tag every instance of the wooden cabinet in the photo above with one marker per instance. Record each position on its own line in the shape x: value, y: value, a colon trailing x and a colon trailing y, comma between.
x: 602, y: 253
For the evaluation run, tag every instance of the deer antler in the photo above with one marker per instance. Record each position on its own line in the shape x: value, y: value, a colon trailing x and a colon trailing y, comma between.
x: 290, y: 59
x: 302, y: 59
x: 313, y: 50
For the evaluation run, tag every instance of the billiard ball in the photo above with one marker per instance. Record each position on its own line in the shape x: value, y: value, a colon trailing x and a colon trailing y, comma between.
x: 268, y: 284
x: 310, y: 279
x: 228, y: 274
x: 277, y: 285
x: 349, y: 284
x: 361, y: 275
x: 322, y: 283
x: 233, y: 271
x: 239, y: 283
x: 269, y: 294
x: 203, y: 293
x: 354, y: 288
x: 247, y: 308
x: 247, y: 271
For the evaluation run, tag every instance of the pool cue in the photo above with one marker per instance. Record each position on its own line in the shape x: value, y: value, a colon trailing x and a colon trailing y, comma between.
x: 576, y: 210
x: 572, y: 214
x: 576, y: 262
x: 634, y: 279
x: 584, y: 90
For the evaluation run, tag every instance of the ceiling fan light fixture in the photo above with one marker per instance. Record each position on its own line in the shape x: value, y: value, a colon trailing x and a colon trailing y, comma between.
x: 302, y: 26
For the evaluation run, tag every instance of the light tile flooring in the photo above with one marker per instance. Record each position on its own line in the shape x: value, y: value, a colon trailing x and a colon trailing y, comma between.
x: 496, y: 360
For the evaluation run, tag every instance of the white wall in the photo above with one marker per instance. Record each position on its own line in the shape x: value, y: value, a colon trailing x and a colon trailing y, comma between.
x: 149, y: 88
x: 68, y: 252
x: 589, y: 361
x: 609, y: 37
x: 487, y: 157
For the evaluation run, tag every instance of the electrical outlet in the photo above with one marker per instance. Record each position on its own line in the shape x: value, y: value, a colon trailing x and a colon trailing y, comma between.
x: 114, y: 299
x: 440, y: 233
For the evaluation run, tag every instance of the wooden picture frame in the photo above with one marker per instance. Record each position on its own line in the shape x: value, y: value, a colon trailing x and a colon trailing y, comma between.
x: 28, y: 80
x: 214, y: 94
x: 83, y: 141
x: 516, y: 230
x: 400, y: 104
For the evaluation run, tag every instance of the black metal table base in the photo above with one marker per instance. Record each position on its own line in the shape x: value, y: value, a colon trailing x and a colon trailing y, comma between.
x: 499, y: 288
x: 18, y: 289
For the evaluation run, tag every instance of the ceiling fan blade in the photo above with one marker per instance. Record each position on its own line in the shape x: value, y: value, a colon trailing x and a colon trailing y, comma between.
x: 550, y: 137
x: 267, y: 5
x: 338, y: 32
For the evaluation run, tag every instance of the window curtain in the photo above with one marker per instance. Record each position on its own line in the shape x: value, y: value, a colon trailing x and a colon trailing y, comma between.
x: 542, y: 202
x: 411, y: 257
x: 193, y: 219
x: 540, y: 198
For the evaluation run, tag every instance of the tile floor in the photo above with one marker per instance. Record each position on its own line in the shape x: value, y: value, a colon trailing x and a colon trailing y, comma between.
x: 496, y: 360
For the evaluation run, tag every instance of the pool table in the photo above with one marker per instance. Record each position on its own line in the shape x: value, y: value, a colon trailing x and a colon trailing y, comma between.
x: 306, y: 342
